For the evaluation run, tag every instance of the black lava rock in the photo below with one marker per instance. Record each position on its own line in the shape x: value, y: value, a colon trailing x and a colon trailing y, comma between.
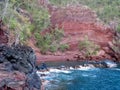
x: 33, y: 81
x: 23, y: 59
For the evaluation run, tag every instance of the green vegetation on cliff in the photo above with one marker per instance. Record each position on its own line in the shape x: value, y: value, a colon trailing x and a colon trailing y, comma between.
x: 27, y: 18
x: 24, y: 17
x: 89, y: 47
x: 50, y: 41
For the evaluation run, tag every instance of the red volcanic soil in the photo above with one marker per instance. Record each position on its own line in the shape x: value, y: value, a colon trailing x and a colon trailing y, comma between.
x: 77, y: 23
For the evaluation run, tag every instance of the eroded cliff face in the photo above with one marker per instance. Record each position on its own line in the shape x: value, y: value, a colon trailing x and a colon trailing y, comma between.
x: 79, y: 22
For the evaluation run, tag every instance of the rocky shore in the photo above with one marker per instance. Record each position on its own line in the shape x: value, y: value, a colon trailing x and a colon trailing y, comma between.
x: 18, y: 68
x: 18, y: 63
x: 62, y: 67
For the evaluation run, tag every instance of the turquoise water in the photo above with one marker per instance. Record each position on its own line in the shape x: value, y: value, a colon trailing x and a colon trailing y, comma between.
x: 91, y: 79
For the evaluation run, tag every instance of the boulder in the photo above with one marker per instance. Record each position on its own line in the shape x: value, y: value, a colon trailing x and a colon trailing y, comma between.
x: 11, y: 80
x: 20, y: 59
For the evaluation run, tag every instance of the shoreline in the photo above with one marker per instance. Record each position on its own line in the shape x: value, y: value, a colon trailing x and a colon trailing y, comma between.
x: 65, y: 65
x: 58, y: 58
x: 66, y: 69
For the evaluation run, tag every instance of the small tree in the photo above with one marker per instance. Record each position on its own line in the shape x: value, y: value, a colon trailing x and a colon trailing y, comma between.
x: 89, y: 47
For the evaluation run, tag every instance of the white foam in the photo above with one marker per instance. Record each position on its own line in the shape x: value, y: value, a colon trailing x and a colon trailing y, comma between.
x: 59, y: 71
x: 85, y: 68
x: 43, y: 72
x: 89, y: 75
x: 110, y: 64
x: 71, y: 68
x: 115, y: 69
x: 85, y: 75
x: 94, y: 76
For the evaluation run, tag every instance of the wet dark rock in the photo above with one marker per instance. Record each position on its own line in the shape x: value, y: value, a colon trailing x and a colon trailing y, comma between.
x: 42, y: 66
x: 103, y: 64
x: 22, y: 59
x: 14, y: 80
x: 100, y: 65
x: 2, y: 58
x: 33, y: 81
x: 109, y: 63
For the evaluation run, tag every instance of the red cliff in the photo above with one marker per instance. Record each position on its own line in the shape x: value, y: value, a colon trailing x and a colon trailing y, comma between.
x: 77, y: 23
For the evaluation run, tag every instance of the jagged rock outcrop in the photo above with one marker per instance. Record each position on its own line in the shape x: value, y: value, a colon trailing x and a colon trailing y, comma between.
x: 18, y: 68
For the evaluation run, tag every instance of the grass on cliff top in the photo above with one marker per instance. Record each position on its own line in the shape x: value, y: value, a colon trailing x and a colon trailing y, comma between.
x: 107, y: 10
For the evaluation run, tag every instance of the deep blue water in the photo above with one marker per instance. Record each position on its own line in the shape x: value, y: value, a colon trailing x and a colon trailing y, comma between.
x: 93, y: 79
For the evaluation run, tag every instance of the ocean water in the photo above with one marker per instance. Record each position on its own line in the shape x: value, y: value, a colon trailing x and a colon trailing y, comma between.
x: 84, y: 79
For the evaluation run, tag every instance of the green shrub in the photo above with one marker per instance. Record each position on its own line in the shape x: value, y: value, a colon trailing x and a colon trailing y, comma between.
x: 49, y: 41
x: 42, y: 42
x: 53, y: 48
x: 116, y: 44
x: 89, y: 47
x: 31, y: 19
x: 118, y: 28
x: 63, y: 47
